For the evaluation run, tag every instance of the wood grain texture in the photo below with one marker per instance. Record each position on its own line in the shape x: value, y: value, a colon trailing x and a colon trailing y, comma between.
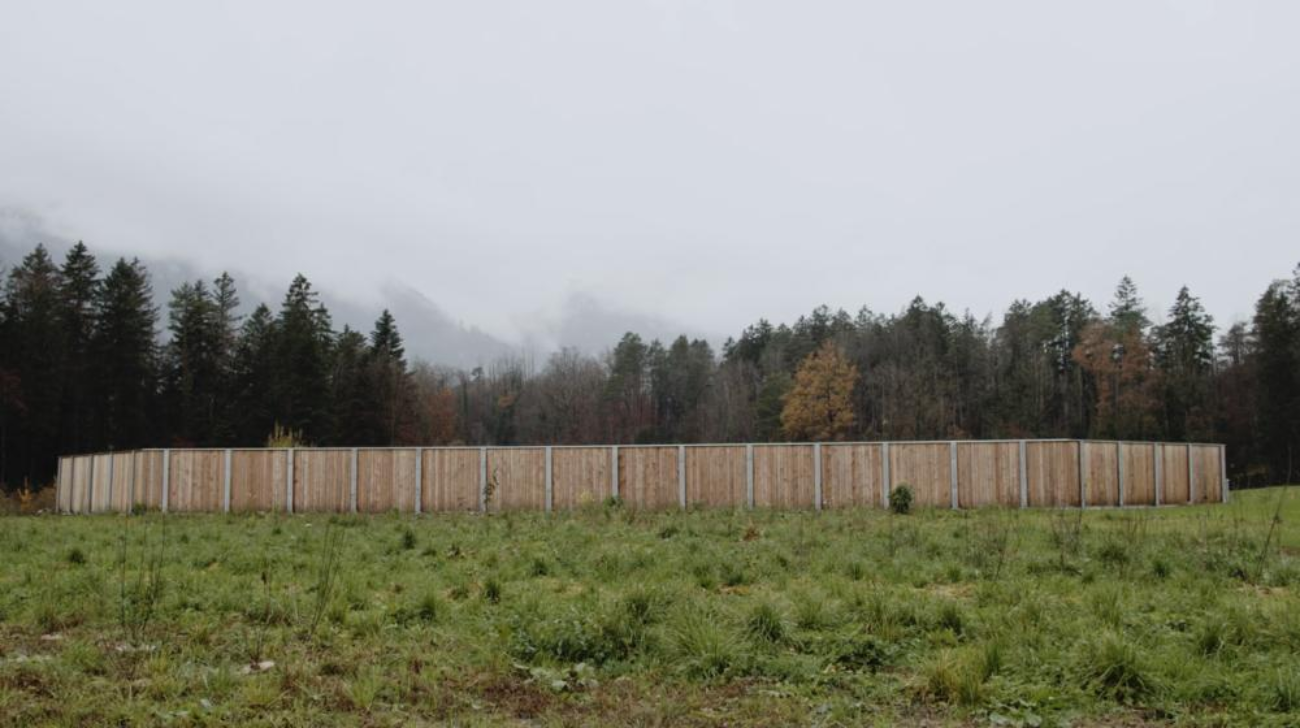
x: 1139, y: 474
x: 1052, y: 469
x: 63, y: 496
x: 322, y: 481
x: 783, y: 476
x: 647, y: 477
x: 148, y: 479
x: 851, y: 476
x: 81, y: 484
x: 924, y: 467
x: 451, y: 480
x: 385, y: 481
x: 197, y: 483
x: 988, y: 474
x: 579, y: 476
x: 1207, y: 478
x: 1174, y: 488
x: 1103, y: 474
x: 517, y: 479
x: 257, y: 480
x: 715, y: 476
x: 121, y: 482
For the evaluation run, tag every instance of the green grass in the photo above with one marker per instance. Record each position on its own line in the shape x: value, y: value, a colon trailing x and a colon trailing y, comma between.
x: 610, y: 616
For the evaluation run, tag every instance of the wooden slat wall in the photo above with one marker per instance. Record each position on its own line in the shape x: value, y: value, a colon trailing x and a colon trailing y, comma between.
x: 647, y: 477
x: 579, y: 476
x: 322, y: 481
x: 385, y: 481
x: 1174, y: 475
x: 988, y: 474
x: 517, y: 479
x: 925, y: 467
x: 451, y: 480
x: 1139, y: 474
x: 715, y: 476
x: 1207, y: 479
x: 257, y: 480
x: 783, y: 476
x: 1103, y: 474
x: 851, y: 476
x: 1052, y: 472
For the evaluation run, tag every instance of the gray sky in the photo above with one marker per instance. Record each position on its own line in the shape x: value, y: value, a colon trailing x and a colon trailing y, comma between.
x: 521, y: 163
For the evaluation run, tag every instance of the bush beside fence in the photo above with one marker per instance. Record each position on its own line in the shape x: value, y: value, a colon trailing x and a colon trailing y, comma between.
x: 949, y: 474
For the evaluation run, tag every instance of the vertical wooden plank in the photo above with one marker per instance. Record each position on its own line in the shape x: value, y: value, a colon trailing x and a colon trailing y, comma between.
x: 851, y: 475
x: 885, y: 482
x: 952, y: 473
x: 482, y: 479
x: 1157, y: 468
x: 613, y: 471
x: 1083, y: 474
x: 549, y: 493
x: 352, y: 482
x: 749, y: 476
x: 419, y: 480
x: 167, y: 480
x: 681, y: 476
x: 580, y: 477
x: 989, y: 472
x: 817, y: 476
x: 225, y: 486
x: 1023, y: 467
x: 715, y: 476
x: 1191, y: 476
x: 291, y: 457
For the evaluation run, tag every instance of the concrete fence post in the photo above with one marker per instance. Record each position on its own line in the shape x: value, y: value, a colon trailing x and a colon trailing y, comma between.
x: 549, y: 484
x: 1119, y: 468
x: 482, y: 480
x: 1223, y: 473
x: 352, y: 484
x: 885, y: 485
x: 225, y: 487
x: 817, y: 476
x: 1023, y: 466
x: 419, y: 480
x: 681, y: 476
x: 613, y: 471
x: 952, y: 474
x: 167, y: 479
x: 1083, y: 474
x: 288, y: 480
x: 749, y: 476
x: 1158, y: 474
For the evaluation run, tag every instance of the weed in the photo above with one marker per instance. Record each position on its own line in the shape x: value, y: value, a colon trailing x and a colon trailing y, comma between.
x: 900, y: 499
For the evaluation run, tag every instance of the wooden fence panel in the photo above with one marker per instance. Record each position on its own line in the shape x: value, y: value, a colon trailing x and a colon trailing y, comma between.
x: 1052, y: 472
x: 925, y: 467
x: 322, y: 481
x: 257, y: 480
x: 988, y: 474
x: 517, y: 479
x: 851, y: 475
x: 63, y: 496
x: 1139, y: 474
x: 783, y: 476
x: 385, y: 481
x: 1207, y: 479
x: 81, y: 484
x: 120, y: 484
x: 197, y: 481
x: 1173, y: 474
x: 580, y: 476
x: 451, y: 480
x: 1103, y: 474
x: 148, y: 479
x: 647, y: 477
x: 715, y: 476
x: 99, y: 488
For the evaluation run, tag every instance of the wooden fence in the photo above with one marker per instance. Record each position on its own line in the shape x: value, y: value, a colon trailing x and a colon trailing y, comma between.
x: 949, y: 474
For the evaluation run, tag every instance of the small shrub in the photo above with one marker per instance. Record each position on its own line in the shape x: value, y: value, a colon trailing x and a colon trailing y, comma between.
x: 765, y: 623
x: 77, y: 557
x: 408, y: 539
x: 492, y: 591
x: 900, y: 499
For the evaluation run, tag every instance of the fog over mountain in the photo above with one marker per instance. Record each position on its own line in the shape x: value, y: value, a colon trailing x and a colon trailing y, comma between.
x: 432, y: 333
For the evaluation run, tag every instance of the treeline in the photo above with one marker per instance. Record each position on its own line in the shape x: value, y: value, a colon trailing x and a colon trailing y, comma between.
x: 89, y: 362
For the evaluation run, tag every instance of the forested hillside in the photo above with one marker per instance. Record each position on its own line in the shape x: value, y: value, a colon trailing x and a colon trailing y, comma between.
x: 89, y: 360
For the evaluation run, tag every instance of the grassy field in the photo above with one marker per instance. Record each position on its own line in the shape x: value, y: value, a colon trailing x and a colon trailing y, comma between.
x: 1176, y: 615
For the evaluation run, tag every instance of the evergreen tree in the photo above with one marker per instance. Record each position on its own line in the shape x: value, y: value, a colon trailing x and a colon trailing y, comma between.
x: 193, y: 366
x: 391, y: 417
x: 253, y: 378
x: 303, y: 343
x: 1277, y: 342
x: 1185, y: 353
x: 352, y: 393
x: 124, y: 357
x: 78, y: 290
x: 1127, y: 311
x: 32, y: 359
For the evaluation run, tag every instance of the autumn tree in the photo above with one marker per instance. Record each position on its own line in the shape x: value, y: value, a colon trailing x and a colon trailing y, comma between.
x: 820, y: 405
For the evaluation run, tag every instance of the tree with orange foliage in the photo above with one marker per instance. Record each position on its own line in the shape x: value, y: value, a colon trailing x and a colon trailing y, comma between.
x: 820, y: 405
x: 1128, y: 384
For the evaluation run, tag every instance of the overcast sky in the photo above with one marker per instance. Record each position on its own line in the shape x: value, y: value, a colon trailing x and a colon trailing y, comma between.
x: 707, y: 163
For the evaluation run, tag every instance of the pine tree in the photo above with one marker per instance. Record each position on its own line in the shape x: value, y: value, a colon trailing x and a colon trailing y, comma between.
x: 303, y: 342
x: 78, y: 290
x: 1277, y: 342
x: 1127, y: 311
x: 193, y: 366
x: 820, y: 405
x: 253, y: 379
x: 225, y: 300
x: 392, y: 407
x: 124, y: 357
x: 33, y: 360
x: 352, y: 393
x: 1185, y: 353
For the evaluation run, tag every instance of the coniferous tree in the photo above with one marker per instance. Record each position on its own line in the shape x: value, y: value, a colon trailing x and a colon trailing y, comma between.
x: 392, y: 407
x: 78, y: 290
x: 124, y: 357
x: 303, y: 347
x: 1277, y: 342
x: 1185, y: 353
x: 253, y: 378
x: 193, y: 366
x: 1127, y: 311
x: 32, y: 359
